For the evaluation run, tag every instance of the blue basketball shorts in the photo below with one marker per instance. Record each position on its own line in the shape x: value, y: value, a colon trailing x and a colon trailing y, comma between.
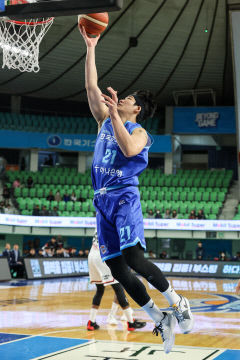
x: 119, y: 221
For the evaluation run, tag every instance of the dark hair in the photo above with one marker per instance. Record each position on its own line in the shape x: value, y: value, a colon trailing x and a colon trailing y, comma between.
x: 147, y: 102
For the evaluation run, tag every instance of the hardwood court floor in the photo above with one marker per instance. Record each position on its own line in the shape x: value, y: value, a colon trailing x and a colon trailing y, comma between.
x: 60, y: 307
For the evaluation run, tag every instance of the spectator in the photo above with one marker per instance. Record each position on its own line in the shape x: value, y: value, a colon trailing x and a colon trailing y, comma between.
x: 29, y: 182
x: 66, y: 252
x: 2, y: 211
x: 59, y: 253
x: 236, y: 257
x: 66, y: 197
x: 150, y: 214
x: 52, y: 244
x: 16, y: 183
x: 40, y: 253
x: 54, y: 212
x: 200, y: 253
x: 201, y: 215
x: 32, y: 253
x: 58, y: 196
x: 151, y: 255
x: 36, y: 211
x: 7, y: 252
x: 60, y: 241
x: 50, y: 196
x: 192, y: 215
x: 48, y: 252
x: 16, y: 264
x: 73, y: 197
x: 174, y: 214
x: 44, y: 211
x: 167, y: 214
x: 158, y: 215
x: 86, y: 252
x: 6, y: 193
x: 73, y: 252
x: 49, y: 161
x: 81, y: 253
x: 163, y: 255
x: 7, y: 209
x: 222, y: 256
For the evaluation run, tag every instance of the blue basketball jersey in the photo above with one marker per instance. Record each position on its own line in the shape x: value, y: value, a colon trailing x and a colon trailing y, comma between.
x: 110, y: 167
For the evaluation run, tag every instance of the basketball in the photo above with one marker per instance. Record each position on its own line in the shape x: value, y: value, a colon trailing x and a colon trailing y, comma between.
x: 94, y: 24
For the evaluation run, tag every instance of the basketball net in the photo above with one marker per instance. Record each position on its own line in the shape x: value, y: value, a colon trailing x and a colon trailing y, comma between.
x: 20, y: 41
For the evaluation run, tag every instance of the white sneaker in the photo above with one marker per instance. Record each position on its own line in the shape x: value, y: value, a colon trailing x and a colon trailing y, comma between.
x: 111, y: 320
x: 183, y: 314
x: 166, y: 330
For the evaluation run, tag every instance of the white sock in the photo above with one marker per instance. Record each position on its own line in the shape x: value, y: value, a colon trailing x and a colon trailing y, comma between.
x: 114, y: 309
x: 153, y: 311
x: 93, y: 314
x: 128, y: 314
x: 171, y: 296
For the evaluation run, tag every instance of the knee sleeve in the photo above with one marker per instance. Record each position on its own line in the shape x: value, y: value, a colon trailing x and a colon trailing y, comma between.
x: 99, y: 294
x: 134, y: 257
x: 134, y: 287
x: 121, y: 297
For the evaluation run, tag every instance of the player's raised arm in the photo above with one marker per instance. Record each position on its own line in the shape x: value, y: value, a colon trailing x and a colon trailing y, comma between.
x: 98, y: 109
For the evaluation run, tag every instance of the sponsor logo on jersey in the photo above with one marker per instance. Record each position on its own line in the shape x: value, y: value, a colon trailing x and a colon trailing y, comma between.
x: 122, y: 202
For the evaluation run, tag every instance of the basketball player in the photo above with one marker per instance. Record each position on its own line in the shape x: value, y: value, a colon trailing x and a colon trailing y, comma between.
x: 100, y: 274
x: 120, y: 156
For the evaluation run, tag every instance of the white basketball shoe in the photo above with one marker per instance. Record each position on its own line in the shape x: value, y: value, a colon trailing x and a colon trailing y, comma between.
x: 166, y: 330
x: 111, y: 320
x: 183, y: 314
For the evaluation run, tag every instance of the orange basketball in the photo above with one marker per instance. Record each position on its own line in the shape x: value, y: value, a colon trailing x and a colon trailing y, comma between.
x: 94, y: 24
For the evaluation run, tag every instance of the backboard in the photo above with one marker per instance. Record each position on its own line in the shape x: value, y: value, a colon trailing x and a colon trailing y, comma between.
x: 25, y: 9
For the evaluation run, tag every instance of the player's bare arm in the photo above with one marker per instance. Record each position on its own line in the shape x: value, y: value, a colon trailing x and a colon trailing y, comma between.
x: 98, y: 109
x: 130, y: 144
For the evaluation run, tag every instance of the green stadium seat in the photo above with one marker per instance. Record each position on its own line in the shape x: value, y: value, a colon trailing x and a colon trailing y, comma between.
x: 77, y: 206
x: 205, y: 196
x: 85, y: 207
x: 213, y: 196
x: 221, y: 196
x: 190, y: 196
x: 61, y: 205
x: 25, y: 192
x: 17, y: 192
x: 198, y: 196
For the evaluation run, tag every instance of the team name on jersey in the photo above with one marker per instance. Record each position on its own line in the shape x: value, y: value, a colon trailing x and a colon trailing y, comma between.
x: 108, y: 137
x: 108, y: 171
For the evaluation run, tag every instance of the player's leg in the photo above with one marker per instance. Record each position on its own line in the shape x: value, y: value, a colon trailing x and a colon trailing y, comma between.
x: 165, y: 322
x: 92, y: 324
x: 129, y: 223
x: 134, y: 257
x: 112, y: 210
x: 123, y: 302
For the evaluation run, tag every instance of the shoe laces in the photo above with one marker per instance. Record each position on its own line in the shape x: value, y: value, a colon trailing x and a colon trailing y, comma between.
x: 158, y: 329
x: 178, y: 313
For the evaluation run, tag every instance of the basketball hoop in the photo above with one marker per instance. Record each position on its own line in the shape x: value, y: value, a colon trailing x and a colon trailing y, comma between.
x: 20, y: 42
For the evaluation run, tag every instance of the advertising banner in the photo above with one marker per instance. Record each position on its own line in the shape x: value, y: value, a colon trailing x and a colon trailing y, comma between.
x: 88, y: 222
x: 44, y: 268
x: 26, y: 140
x: 215, y: 269
x: 204, y: 120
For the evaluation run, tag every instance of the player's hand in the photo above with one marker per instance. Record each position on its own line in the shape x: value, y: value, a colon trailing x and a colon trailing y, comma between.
x: 111, y: 102
x: 238, y: 287
x: 90, y: 41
